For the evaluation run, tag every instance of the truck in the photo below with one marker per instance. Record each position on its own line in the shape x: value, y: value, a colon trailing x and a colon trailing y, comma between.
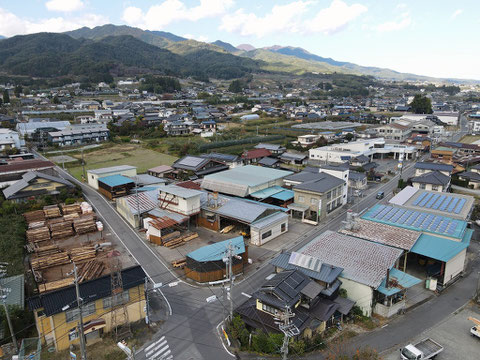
x: 475, y: 330
x: 425, y: 349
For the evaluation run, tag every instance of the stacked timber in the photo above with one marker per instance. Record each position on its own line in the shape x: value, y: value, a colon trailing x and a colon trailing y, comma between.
x: 50, y: 260
x: 47, y: 250
x: 180, y: 240
x: 36, y: 224
x: 51, y: 211
x: 70, y: 217
x: 169, y: 237
x: 54, y: 285
x: 34, y: 216
x: 90, y: 270
x: 60, y: 229
x: 38, y: 234
x: 84, y: 224
x: 179, y: 263
x: 82, y: 253
x: 71, y: 209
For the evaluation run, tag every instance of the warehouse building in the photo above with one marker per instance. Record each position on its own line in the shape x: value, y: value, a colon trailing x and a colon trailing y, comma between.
x: 115, y: 186
x: 94, y: 175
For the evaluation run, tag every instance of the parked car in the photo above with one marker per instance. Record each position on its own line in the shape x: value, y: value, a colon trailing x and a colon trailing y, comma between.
x: 425, y: 349
x: 380, y: 195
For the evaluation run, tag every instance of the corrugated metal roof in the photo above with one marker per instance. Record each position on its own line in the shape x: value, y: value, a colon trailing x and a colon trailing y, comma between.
x: 241, y: 210
x: 269, y: 220
x: 147, y: 201
x: 398, y: 281
x: 180, y: 191
x: 362, y: 261
x: 16, y: 295
x: 265, y: 193
x: 284, y: 195
x: 115, y: 180
x: 217, y: 251
x: 165, y: 213
x: 161, y: 169
x: 439, y: 248
x: 403, y: 196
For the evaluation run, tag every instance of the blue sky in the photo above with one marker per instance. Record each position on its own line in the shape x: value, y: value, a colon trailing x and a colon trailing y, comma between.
x: 427, y: 37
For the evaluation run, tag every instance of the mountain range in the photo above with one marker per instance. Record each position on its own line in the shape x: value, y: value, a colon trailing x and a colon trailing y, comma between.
x: 125, y: 48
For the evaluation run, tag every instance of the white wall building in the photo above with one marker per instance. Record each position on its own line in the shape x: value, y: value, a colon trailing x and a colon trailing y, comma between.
x: 9, y: 139
x: 94, y: 175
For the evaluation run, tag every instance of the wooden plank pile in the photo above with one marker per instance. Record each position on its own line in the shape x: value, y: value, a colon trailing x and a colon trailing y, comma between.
x: 172, y: 243
x: 38, y: 234
x: 85, y: 224
x: 50, y: 260
x: 71, y: 209
x: 82, y: 253
x: 60, y: 229
x: 90, y: 270
x: 179, y: 263
x: 34, y: 216
x: 70, y: 217
x: 51, y: 211
x: 47, y: 250
x: 227, y: 229
x: 168, y: 237
x: 54, y: 285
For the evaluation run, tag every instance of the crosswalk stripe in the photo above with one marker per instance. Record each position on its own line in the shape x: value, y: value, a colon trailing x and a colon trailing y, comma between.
x: 159, y: 352
x: 154, y: 343
x: 156, y: 348
x: 163, y: 357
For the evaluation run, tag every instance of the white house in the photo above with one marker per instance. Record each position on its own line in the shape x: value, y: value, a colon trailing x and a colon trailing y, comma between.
x: 9, y: 139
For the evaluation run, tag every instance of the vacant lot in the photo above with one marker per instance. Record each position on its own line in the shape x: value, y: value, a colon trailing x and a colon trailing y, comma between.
x: 470, y: 139
x: 122, y: 154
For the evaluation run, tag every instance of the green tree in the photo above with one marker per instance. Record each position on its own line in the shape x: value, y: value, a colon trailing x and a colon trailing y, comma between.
x: 236, y: 86
x: 18, y: 90
x: 421, y: 105
x: 6, y: 97
x: 56, y: 100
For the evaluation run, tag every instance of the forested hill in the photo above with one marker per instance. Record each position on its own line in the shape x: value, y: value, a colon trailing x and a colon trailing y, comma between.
x: 51, y: 54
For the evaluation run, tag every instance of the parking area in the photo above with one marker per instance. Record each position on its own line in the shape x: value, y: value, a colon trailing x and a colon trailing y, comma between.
x: 453, y: 334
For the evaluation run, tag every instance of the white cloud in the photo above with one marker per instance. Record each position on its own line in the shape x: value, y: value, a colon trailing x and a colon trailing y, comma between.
x: 201, y: 38
x: 11, y: 25
x: 403, y: 22
x: 64, y: 5
x: 282, y: 18
x: 169, y: 11
x: 335, y: 18
x: 291, y: 18
x: 456, y: 13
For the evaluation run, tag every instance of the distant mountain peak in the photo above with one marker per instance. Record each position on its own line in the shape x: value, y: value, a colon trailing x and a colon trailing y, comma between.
x: 224, y: 45
x: 246, y: 47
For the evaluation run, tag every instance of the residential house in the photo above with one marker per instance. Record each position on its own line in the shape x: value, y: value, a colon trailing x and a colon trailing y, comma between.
x: 9, y: 139
x: 422, y: 168
x: 270, y: 162
x: 273, y: 148
x: 472, y: 176
x: 195, y: 167
x: 57, y: 315
x: 307, y: 140
x: 79, y: 134
x: 293, y: 159
x: 160, y: 171
x: 12, y: 171
x: 357, y: 180
x: 35, y: 183
x: 433, y: 180
x: 394, y: 131
x: 232, y: 161
x: 254, y: 156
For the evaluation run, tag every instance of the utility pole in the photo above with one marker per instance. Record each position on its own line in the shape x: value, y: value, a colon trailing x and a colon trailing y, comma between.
x: 146, y: 301
x: 4, y: 292
x: 138, y: 203
x: 83, y: 349
x: 477, y: 294
x: 228, y: 260
x: 289, y: 330
x: 83, y: 167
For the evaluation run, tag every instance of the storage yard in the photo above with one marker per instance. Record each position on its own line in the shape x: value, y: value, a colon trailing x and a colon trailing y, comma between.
x: 60, y: 235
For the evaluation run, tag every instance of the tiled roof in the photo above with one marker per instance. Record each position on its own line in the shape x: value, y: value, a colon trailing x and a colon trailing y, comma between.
x: 362, y: 261
x: 256, y: 153
x: 383, y: 234
x: 433, y: 166
x: 25, y: 165
x: 433, y: 177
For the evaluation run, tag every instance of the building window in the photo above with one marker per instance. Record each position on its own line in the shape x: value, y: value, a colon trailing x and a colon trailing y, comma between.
x: 313, y: 201
x: 301, y: 199
x: 266, y: 234
x: 435, y: 187
x: 283, y: 227
x: 269, y: 309
x: 422, y: 186
x: 74, y: 314
x: 118, y: 299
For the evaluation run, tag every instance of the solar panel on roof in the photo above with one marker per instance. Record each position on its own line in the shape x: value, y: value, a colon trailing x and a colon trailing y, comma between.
x: 420, y: 198
x: 432, y: 200
x: 460, y: 206
x: 452, y: 205
x: 435, y: 223
x: 405, y: 216
x: 427, y: 221
x: 412, y: 219
x: 377, y: 210
x: 424, y: 201
x: 445, y: 203
x: 391, y: 214
x: 438, y: 202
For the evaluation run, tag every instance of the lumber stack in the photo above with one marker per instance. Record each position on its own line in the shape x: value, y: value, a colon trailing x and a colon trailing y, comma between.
x: 47, y: 261
x: 84, y: 224
x: 38, y: 234
x: 179, y: 263
x: 34, y: 216
x: 61, y: 229
x: 90, y: 270
x: 54, y: 285
x: 36, y: 224
x: 70, y: 217
x: 51, y: 211
x: 173, y: 243
x: 47, y: 250
x: 227, y: 229
x: 170, y: 236
x: 82, y: 253
x: 188, y: 237
x: 71, y: 209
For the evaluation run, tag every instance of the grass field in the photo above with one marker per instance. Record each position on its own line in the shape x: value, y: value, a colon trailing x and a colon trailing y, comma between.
x: 469, y: 139
x: 122, y: 154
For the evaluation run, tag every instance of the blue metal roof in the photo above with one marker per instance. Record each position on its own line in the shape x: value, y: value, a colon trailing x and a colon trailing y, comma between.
x: 268, y: 192
x: 439, y: 248
x: 115, y: 180
x: 215, y: 252
x: 403, y: 280
x: 283, y: 195
x: 417, y: 220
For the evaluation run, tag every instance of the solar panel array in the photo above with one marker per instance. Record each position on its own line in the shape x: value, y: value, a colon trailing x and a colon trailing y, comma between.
x: 422, y: 221
x: 440, y: 202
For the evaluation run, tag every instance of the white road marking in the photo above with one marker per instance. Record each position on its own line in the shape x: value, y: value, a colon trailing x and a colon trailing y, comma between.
x: 154, y: 343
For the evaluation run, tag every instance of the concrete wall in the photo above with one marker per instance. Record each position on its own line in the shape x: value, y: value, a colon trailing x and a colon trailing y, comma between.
x: 454, y: 266
x: 360, y: 293
x: 276, y: 228
x: 92, y: 179
x: 188, y: 206
x: 388, y: 311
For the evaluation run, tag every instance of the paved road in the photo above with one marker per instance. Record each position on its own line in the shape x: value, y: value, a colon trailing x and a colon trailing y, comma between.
x: 191, y: 329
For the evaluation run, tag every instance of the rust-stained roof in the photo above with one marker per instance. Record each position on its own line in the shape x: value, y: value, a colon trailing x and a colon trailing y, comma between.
x: 383, y: 234
x: 163, y: 223
x: 25, y: 165
x: 256, y: 153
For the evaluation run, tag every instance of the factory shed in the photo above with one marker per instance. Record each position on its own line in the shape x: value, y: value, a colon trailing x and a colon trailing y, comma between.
x: 115, y: 186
